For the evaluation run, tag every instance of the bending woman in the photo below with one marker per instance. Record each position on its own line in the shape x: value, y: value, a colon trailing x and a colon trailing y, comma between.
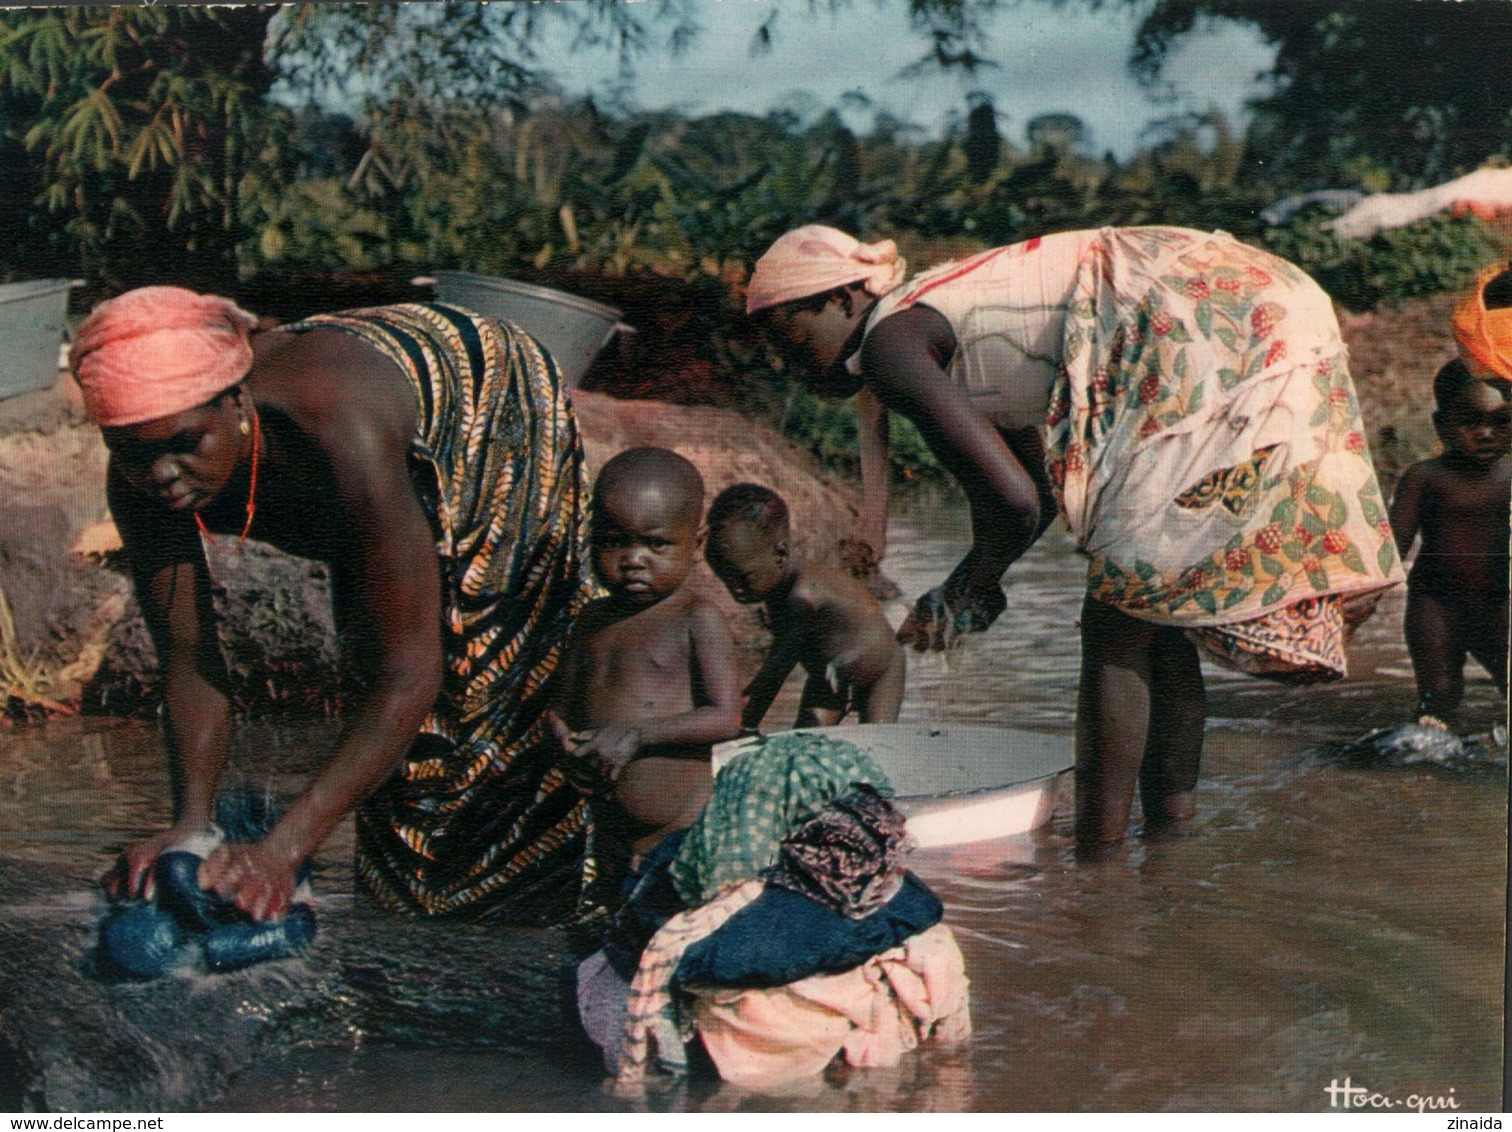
x: 431, y: 458
x: 1181, y: 397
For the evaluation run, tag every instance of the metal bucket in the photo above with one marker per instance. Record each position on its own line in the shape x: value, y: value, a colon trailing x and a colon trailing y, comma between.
x: 957, y: 783
x: 573, y: 329
x: 32, y: 323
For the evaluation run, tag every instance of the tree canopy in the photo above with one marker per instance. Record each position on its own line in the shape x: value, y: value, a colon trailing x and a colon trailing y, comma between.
x: 145, y: 142
x: 1387, y: 94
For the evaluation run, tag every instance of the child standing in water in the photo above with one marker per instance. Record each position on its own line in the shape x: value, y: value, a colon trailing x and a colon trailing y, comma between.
x: 648, y: 682
x: 819, y: 618
x: 1457, y: 503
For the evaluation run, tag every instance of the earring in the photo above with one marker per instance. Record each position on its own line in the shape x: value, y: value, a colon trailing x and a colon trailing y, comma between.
x: 245, y: 427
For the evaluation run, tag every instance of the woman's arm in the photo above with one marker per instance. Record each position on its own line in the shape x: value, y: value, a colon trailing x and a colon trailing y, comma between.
x: 393, y: 565
x: 871, y: 434
x: 173, y: 591
x: 904, y: 362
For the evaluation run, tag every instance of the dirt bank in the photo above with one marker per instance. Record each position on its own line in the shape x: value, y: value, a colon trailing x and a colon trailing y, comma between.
x: 1394, y: 351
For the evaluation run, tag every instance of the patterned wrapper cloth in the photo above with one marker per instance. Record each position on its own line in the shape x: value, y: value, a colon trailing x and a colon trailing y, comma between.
x: 1208, y: 452
x: 479, y: 818
x: 759, y: 799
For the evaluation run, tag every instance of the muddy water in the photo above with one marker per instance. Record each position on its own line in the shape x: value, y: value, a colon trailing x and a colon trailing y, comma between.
x: 1320, y: 920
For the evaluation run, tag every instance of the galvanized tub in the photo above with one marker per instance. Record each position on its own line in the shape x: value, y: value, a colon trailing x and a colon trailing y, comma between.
x: 32, y: 324
x: 958, y: 783
x: 572, y: 328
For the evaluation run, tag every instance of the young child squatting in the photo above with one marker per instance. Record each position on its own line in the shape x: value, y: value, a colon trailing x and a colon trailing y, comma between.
x: 820, y: 618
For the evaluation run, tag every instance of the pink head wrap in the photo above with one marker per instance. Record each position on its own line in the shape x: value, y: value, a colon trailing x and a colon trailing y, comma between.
x: 814, y: 259
x: 157, y: 351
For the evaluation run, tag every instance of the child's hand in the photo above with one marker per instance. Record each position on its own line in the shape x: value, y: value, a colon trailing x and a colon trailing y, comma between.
x: 607, y: 748
x: 610, y: 748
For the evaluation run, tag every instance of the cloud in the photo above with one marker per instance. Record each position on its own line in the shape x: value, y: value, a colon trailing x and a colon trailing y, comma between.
x: 1049, y: 59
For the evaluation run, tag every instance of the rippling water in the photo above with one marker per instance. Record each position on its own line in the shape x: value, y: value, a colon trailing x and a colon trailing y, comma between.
x: 1319, y: 920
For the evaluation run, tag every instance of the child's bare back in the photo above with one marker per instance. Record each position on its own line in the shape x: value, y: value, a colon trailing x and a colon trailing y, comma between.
x: 833, y: 626
x: 819, y: 617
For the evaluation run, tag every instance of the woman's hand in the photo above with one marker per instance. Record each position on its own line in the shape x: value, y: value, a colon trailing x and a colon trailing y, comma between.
x: 252, y: 877
x: 946, y: 613
x: 131, y: 875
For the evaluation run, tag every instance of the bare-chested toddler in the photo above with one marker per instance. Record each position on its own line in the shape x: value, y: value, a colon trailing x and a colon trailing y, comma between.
x: 1457, y: 503
x: 819, y: 617
x: 649, y: 682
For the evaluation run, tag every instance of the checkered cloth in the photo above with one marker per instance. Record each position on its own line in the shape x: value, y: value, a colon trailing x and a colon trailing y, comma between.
x: 761, y: 798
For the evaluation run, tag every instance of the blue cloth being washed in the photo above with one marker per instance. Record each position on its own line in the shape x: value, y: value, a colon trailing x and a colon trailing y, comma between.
x: 184, y: 925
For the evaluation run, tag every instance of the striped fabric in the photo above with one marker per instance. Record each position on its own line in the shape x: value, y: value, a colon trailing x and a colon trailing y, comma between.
x: 478, y: 819
x: 653, y: 1017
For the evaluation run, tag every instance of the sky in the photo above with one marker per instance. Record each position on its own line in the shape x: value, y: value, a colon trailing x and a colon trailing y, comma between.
x: 1050, y: 59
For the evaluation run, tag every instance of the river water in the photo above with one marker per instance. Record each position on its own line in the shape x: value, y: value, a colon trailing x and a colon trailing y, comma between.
x: 1320, y: 919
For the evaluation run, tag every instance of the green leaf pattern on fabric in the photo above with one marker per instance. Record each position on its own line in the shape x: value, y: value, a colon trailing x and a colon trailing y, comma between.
x: 1144, y: 380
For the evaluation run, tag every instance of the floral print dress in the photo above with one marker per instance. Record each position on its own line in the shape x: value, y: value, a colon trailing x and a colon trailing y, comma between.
x: 1203, y: 436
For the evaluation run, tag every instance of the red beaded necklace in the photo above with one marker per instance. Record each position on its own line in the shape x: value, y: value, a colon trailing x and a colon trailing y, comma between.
x: 251, y: 488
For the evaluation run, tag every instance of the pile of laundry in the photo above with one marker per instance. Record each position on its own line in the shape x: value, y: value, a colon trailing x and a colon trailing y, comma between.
x: 779, y: 931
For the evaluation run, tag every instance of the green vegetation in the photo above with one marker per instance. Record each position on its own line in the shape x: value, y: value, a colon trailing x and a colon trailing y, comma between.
x: 144, y: 144
x: 1441, y: 253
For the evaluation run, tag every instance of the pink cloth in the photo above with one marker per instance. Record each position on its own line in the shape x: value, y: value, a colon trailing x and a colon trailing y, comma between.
x: 814, y: 259
x: 653, y: 1021
x: 873, y: 1014
x: 157, y: 351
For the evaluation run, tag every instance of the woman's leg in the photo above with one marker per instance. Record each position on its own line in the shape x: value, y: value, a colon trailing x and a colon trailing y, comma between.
x: 1112, y: 718
x: 1178, y: 716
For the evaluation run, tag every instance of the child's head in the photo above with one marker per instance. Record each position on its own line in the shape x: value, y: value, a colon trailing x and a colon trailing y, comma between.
x: 1472, y: 417
x: 748, y: 541
x: 646, y: 508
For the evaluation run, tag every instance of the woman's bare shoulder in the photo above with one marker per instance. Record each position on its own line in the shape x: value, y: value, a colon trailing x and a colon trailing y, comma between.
x: 325, y: 378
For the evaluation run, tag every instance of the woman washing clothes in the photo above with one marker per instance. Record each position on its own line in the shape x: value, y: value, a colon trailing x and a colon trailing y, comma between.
x: 1182, y: 399
x: 429, y: 456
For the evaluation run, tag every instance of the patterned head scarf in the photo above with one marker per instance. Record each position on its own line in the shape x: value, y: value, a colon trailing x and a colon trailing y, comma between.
x: 848, y: 856
x: 157, y: 351
x: 1485, y: 336
x: 814, y: 259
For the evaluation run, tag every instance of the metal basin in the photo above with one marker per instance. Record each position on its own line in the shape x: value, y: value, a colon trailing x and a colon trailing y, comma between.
x: 957, y: 783
x: 32, y: 318
x: 572, y: 329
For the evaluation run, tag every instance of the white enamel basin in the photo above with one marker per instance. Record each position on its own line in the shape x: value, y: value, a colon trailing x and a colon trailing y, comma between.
x: 957, y: 783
